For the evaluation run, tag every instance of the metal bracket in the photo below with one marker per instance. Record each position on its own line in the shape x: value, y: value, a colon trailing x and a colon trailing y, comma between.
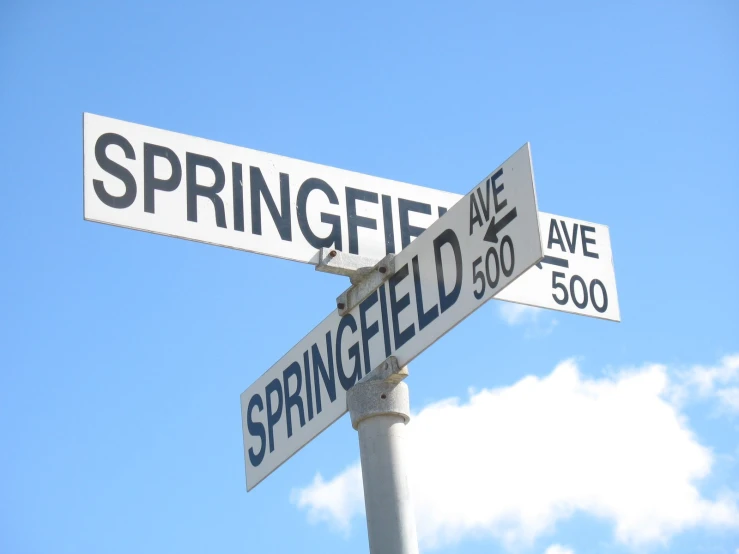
x: 388, y: 371
x: 340, y: 263
x: 364, y: 283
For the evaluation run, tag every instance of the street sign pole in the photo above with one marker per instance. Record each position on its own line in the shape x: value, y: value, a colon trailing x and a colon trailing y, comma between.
x: 380, y: 409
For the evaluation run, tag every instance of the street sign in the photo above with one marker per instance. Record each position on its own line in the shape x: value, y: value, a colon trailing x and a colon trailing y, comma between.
x: 576, y: 274
x: 182, y: 186
x: 484, y: 242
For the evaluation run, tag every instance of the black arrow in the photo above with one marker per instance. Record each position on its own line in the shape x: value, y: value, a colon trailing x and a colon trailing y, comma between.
x: 553, y: 260
x: 491, y: 235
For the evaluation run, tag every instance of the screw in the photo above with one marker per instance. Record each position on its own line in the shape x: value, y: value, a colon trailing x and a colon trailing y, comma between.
x: 332, y: 253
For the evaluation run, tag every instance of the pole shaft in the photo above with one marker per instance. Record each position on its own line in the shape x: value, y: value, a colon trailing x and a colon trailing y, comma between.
x: 379, y: 412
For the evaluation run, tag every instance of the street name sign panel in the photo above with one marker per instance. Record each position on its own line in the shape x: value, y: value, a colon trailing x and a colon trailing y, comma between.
x: 484, y: 242
x: 182, y: 186
x: 187, y: 187
x: 576, y: 274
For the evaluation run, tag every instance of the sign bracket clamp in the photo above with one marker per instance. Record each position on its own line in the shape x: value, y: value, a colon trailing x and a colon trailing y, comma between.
x: 342, y: 263
x: 388, y: 371
x: 365, y: 274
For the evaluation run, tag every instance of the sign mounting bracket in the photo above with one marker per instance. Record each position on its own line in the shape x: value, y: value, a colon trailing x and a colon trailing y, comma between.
x: 341, y: 263
x: 365, y: 274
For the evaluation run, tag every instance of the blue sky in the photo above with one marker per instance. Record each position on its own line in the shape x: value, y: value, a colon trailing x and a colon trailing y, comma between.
x: 124, y: 353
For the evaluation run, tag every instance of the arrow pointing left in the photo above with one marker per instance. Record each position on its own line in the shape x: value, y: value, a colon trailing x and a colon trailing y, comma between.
x: 491, y: 235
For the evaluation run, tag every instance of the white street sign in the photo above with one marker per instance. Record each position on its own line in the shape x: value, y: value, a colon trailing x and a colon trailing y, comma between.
x: 576, y: 274
x: 192, y: 188
x: 479, y: 246
x: 182, y: 186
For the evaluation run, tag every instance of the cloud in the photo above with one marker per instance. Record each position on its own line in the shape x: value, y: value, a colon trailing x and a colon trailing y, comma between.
x: 334, y: 502
x: 729, y: 398
x: 719, y: 381
x: 512, y: 462
x: 558, y: 549
x: 517, y: 314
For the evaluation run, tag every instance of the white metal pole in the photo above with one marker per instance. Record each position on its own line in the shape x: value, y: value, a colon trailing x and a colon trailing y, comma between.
x: 380, y: 408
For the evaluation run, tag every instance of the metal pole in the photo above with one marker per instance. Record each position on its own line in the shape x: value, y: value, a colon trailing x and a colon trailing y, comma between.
x: 380, y: 409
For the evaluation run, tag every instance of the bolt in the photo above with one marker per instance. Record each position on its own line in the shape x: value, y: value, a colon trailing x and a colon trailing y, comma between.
x: 332, y: 253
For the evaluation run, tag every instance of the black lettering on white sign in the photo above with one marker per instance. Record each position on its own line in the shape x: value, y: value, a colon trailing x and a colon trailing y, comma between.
x: 216, y: 185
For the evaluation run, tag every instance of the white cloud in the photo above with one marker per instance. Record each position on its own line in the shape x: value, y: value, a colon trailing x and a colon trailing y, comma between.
x: 729, y: 398
x: 716, y: 381
x: 513, y: 461
x: 334, y: 502
x: 558, y: 549
x: 517, y: 314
